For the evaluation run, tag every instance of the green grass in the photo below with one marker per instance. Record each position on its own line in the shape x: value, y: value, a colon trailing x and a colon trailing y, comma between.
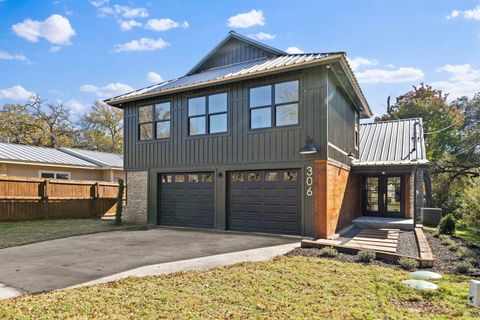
x: 18, y: 233
x: 286, y: 288
x: 469, y: 234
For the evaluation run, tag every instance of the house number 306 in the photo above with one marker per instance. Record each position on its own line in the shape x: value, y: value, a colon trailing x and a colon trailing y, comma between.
x: 309, y: 181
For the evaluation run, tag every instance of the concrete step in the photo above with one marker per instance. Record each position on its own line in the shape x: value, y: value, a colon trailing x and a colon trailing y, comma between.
x: 383, y: 223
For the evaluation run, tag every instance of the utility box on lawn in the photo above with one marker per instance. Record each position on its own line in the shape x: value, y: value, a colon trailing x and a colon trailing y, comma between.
x: 474, y: 293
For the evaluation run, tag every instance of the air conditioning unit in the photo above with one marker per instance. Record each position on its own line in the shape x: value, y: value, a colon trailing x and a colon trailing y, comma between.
x: 474, y: 293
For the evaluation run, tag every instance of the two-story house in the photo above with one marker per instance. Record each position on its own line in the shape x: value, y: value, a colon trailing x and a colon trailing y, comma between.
x: 254, y: 139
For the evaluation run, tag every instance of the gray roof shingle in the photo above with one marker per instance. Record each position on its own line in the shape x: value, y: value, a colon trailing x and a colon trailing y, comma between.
x: 392, y: 143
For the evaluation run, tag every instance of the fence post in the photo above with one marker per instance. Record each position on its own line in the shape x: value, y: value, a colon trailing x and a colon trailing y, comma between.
x: 45, y: 194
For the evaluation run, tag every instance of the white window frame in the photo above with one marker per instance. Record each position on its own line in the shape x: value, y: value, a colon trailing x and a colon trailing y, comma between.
x: 356, y: 133
x: 54, y: 174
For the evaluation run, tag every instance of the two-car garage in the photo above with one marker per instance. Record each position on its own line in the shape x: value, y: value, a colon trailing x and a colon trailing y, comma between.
x: 256, y: 201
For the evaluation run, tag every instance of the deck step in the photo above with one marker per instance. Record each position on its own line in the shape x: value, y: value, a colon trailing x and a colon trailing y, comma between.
x: 380, y: 223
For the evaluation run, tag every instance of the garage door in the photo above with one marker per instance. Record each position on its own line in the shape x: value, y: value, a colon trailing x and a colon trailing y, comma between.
x: 265, y: 201
x: 187, y: 200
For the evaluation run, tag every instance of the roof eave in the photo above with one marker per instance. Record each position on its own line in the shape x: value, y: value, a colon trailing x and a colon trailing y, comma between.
x: 325, y: 60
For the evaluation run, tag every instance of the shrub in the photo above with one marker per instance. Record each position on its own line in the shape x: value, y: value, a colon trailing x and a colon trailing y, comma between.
x: 447, y: 225
x: 454, y: 247
x: 473, y: 262
x: 366, y: 255
x: 119, y: 209
x: 465, y: 253
x: 328, y: 252
x: 408, y: 263
x: 463, y: 267
x: 446, y: 240
x: 470, y: 203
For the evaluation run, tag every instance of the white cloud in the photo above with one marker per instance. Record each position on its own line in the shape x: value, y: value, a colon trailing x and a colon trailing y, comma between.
x: 402, y: 74
x: 262, y: 36
x: 99, y: 3
x: 294, y: 50
x: 17, y: 57
x: 110, y: 90
x: 144, y: 44
x: 460, y: 72
x: 17, y: 93
x: 125, y: 12
x: 473, y: 14
x: 55, y: 29
x: 76, y: 106
x: 54, y: 49
x: 458, y: 89
x: 247, y: 19
x: 464, y: 80
x: 357, y: 62
x: 127, y: 25
x: 154, y: 77
x: 164, y: 24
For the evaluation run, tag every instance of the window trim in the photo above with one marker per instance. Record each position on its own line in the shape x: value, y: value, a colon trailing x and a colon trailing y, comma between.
x: 356, y: 133
x: 273, y: 106
x: 207, y: 114
x: 68, y: 173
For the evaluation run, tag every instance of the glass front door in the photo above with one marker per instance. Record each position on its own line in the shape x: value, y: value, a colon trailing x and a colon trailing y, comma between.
x: 383, y: 196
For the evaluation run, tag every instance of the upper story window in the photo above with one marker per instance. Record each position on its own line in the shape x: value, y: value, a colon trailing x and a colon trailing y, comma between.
x: 154, y: 121
x: 207, y: 114
x: 356, y: 130
x: 274, y: 105
x: 53, y: 175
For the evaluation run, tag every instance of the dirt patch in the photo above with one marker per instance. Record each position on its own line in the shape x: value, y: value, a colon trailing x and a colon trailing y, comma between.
x: 421, y: 306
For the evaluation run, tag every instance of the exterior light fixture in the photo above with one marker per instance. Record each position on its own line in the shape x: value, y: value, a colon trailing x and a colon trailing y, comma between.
x: 309, y: 147
x: 351, y: 155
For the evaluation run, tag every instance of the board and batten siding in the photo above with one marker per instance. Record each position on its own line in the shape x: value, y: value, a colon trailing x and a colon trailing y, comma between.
x: 234, y: 51
x: 239, y: 145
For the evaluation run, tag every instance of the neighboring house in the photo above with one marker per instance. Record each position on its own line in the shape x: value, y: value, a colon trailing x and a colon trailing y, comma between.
x: 59, y: 163
x: 255, y: 139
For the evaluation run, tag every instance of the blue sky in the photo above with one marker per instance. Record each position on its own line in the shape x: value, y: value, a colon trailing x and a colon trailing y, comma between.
x: 80, y: 51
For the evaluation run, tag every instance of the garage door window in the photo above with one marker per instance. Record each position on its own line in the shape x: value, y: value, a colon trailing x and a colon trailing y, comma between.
x: 167, y: 179
x: 271, y: 176
x: 237, y: 177
x: 290, y: 176
x: 207, y: 177
x: 253, y: 177
x: 193, y: 178
x: 179, y: 178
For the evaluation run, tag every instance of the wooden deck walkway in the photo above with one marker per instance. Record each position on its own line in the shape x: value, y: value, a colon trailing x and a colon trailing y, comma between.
x: 375, y: 239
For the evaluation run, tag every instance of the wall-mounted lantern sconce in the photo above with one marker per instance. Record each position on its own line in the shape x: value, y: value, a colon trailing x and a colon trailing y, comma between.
x: 351, y: 155
x: 309, y: 147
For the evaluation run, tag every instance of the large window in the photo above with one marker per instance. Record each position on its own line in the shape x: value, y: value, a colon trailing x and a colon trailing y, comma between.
x: 208, y: 114
x: 274, y: 105
x: 154, y: 121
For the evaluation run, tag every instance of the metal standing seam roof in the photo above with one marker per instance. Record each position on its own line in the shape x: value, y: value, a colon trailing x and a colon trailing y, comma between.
x: 227, y: 72
x: 10, y: 152
x: 103, y: 159
x: 391, y: 143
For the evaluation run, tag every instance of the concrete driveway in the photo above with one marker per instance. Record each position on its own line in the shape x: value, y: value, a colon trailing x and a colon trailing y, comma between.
x: 65, y: 262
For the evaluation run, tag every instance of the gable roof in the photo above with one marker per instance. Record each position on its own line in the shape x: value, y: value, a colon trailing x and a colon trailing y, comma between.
x: 18, y: 153
x: 392, y: 143
x: 280, y: 62
x: 270, y: 51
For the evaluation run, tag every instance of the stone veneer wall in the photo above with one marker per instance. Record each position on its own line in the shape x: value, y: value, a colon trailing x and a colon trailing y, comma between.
x: 137, y: 197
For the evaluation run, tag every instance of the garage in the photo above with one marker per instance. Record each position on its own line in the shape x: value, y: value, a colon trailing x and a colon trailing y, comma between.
x: 265, y: 201
x: 187, y: 200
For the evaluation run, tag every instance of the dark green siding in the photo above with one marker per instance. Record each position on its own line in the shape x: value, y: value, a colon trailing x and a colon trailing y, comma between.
x: 234, y: 51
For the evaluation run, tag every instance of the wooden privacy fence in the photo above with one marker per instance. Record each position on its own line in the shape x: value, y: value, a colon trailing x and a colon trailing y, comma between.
x: 36, y: 198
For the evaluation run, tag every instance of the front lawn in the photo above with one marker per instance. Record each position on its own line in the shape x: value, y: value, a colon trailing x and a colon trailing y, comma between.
x: 18, y: 233
x: 286, y: 288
